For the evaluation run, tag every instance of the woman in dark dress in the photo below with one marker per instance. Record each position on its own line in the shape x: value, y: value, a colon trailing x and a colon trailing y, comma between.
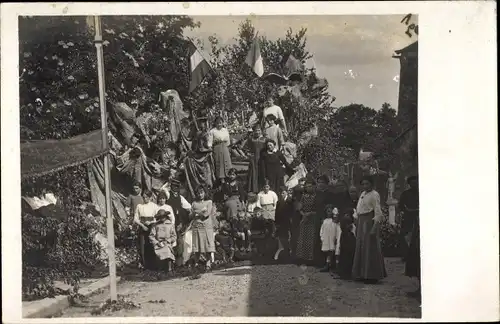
x: 409, y: 205
x: 270, y: 167
x: 255, y: 145
x: 307, y: 240
x: 234, y: 195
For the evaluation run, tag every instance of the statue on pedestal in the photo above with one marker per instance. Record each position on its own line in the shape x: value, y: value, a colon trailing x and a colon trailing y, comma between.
x: 391, y: 202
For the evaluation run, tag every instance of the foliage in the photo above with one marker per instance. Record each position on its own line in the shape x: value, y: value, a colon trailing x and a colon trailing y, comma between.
x: 234, y: 87
x: 54, y: 250
x: 114, y: 305
x: 389, y: 236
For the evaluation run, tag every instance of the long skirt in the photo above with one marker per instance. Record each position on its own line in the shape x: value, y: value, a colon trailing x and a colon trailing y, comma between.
x: 166, y: 252
x: 253, y: 176
x: 203, y: 240
x: 232, y: 206
x: 412, y: 268
x: 222, y: 160
x: 307, y: 239
x: 347, y: 251
x: 146, y: 250
x: 368, y: 259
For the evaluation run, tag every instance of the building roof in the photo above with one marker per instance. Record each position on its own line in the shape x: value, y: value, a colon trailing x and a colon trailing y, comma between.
x: 412, y: 48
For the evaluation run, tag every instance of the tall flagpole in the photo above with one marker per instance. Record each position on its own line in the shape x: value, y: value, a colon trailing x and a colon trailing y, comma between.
x: 107, y: 181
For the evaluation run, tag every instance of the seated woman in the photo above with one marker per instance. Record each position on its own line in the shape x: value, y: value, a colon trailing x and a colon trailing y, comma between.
x: 234, y: 195
x: 163, y: 237
x: 224, y: 241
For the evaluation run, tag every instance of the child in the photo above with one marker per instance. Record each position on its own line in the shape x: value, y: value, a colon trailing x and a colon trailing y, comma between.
x: 273, y: 131
x: 330, y: 235
x: 252, y: 202
x: 134, y: 199
x: 224, y: 241
x: 163, y: 237
x: 268, y: 200
x: 347, y: 246
x: 241, y: 225
x: 234, y: 195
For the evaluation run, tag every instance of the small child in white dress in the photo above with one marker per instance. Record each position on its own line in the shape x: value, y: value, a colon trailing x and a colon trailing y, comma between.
x: 330, y: 238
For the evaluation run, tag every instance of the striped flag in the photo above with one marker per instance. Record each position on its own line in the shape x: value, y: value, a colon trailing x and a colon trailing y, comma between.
x: 198, y: 65
x: 254, y: 59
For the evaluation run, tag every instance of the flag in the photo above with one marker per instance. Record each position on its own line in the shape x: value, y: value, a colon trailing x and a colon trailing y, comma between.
x: 199, y: 67
x: 254, y: 59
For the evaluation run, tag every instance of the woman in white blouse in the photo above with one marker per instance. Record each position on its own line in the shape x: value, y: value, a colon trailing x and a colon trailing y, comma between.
x: 144, y: 217
x: 219, y: 141
x: 368, y: 263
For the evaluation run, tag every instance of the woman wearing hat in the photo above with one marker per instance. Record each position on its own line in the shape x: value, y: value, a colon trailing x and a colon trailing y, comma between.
x: 219, y: 140
x: 163, y: 237
x: 368, y: 265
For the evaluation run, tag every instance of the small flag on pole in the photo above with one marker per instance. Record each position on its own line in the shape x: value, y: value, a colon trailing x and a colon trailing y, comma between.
x: 198, y: 65
x: 254, y: 59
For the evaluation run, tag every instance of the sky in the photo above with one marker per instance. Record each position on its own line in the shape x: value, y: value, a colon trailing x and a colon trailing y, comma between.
x: 354, y: 53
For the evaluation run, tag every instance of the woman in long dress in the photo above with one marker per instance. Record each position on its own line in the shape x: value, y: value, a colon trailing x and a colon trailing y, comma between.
x: 202, y: 212
x: 307, y: 240
x: 255, y: 145
x: 409, y: 202
x: 271, y: 166
x: 369, y: 265
x: 219, y: 141
x: 198, y: 162
x: 144, y: 217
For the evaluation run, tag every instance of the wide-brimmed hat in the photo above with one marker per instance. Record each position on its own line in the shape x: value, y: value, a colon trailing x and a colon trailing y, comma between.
x: 162, y: 214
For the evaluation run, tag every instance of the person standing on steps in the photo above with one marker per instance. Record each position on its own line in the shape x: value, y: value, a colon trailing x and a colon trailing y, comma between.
x: 271, y: 108
x: 255, y: 145
x: 219, y: 141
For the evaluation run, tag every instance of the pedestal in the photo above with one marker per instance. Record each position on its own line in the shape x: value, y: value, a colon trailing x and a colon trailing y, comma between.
x: 392, y: 211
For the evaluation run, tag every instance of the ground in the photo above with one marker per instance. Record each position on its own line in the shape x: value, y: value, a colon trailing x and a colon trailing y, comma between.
x: 265, y: 290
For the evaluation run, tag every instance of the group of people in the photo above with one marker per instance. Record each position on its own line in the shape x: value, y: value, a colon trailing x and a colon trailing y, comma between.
x: 311, y: 223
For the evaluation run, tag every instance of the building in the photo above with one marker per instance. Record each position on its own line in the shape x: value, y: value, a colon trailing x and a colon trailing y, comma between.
x: 406, y: 144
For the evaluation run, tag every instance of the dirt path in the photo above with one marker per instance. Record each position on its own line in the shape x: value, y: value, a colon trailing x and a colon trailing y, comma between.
x: 266, y: 290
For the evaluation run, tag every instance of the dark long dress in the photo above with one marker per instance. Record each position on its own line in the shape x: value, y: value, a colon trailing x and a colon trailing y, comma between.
x: 409, y: 204
x: 271, y: 168
x: 255, y: 146
x: 307, y: 240
x: 199, y: 165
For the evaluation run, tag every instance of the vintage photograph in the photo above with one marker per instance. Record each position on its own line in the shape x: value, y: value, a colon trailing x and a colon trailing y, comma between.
x: 219, y: 166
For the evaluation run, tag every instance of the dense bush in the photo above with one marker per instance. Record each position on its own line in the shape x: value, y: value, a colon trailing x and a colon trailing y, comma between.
x: 54, y: 250
x: 389, y: 235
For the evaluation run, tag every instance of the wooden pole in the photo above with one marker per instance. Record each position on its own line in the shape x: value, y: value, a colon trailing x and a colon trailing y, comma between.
x: 107, y: 181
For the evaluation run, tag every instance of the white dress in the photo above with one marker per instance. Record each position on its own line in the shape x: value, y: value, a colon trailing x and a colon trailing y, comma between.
x: 330, y: 236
